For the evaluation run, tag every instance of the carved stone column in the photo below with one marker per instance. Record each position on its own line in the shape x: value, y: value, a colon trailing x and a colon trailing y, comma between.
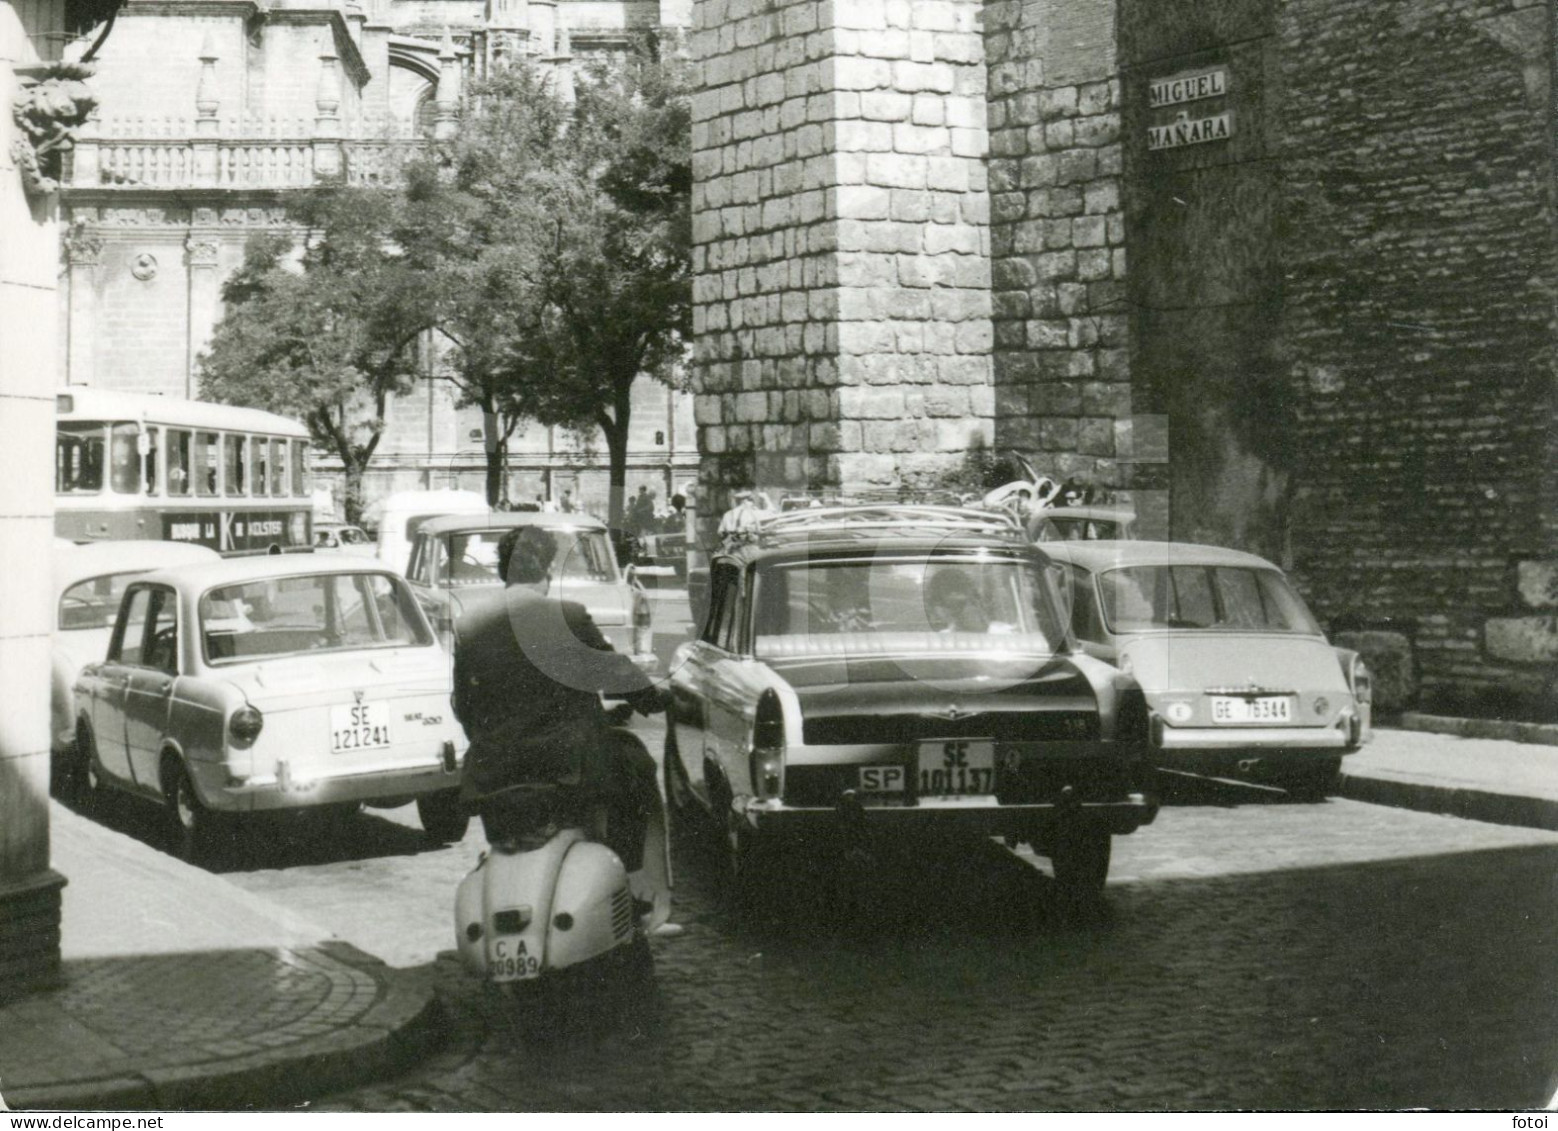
x: 207, y: 104
x: 29, y: 259
x: 205, y: 295
x: 83, y: 260
x: 327, y: 122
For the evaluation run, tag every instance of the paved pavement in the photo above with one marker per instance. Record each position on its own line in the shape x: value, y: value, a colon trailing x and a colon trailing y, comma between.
x: 180, y: 990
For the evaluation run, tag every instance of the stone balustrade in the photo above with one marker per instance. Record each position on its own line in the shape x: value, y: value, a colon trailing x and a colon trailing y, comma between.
x: 162, y: 162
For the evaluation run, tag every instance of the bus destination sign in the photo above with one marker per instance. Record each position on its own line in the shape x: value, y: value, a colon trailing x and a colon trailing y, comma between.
x: 239, y: 532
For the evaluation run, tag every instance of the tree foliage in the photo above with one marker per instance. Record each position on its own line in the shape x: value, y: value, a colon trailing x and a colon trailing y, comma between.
x: 555, y: 229
x: 326, y: 332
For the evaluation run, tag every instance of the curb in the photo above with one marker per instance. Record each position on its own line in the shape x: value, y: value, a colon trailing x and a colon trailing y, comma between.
x: 1453, y: 801
x: 401, y: 1025
x: 1542, y: 734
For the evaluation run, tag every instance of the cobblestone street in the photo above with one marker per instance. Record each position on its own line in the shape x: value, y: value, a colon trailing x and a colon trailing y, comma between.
x: 1251, y: 952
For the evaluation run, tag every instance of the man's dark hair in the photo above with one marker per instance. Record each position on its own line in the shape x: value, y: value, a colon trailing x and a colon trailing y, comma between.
x: 525, y: 555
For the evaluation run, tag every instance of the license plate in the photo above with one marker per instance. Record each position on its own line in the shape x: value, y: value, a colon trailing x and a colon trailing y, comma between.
x: 1262, y: 709
x: 882, y: 779
x: 957, y: 767
x: 362, y: 726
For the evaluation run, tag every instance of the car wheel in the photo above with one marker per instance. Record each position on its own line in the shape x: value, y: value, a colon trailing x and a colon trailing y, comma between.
x: 193, y: 829
x: 444, y: 816
x: 735, y: 848
x: 81, y: 780
x: 680, y: 804
x: 1080, y: 857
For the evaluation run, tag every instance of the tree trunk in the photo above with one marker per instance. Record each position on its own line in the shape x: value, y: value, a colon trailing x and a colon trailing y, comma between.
x: 617, y: 470
x: 497, y: 456
x: 352, y: 503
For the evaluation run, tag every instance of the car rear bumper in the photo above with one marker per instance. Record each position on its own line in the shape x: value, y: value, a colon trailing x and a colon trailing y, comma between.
x: 1169, y: 738
x: 981, y: 815
x: 300, y: 788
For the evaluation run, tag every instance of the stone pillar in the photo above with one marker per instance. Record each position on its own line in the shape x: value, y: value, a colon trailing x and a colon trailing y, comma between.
x: 841, y: 242
x: 29, y: 264
x: 446, y: 99
x: 327, y: 109
x: 83, y: 259
x: 1062, y: 364
x: 207, y: 104
x: 203, y: 252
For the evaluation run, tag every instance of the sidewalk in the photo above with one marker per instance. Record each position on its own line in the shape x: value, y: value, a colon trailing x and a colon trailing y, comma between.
x: 181, y: 991
x: 1506, y: 778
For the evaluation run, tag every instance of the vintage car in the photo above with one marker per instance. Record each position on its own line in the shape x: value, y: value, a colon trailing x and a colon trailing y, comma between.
x: 272, y: 683
x: 89, y: 580
x: 454, y: 567
x: 1238, y: 676
x: 397, y: 518
x: 908, y: 667
x: 344, y: 537
x: 1081, y: 524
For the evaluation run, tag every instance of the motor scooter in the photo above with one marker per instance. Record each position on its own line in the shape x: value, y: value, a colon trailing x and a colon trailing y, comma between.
x: 550, y: 905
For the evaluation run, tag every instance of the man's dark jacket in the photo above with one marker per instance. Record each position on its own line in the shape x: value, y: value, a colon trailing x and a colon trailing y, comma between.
x: 528, y: 674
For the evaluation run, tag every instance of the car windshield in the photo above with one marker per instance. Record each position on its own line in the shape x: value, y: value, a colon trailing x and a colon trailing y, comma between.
x: 472, y: 557
x: 325, y: 612
x: 977, y: 594
x: 1217, y: 598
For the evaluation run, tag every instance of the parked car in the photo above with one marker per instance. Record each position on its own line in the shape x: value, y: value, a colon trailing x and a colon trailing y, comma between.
x: 1238, y: 675
x: 344, y: 537
x: 454, y: 567
x: 89, y: 580
x: 845, y: 671
x: 397, y: 518
x: 1082, y: 524
x: 271, y: 683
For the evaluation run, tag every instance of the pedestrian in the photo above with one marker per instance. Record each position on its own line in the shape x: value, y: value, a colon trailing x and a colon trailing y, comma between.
x: 567, y: 503
x: 529, y: 673
x: 740, y: 524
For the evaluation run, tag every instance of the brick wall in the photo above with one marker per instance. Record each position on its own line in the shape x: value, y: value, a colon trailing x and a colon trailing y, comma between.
x: 841, y: 251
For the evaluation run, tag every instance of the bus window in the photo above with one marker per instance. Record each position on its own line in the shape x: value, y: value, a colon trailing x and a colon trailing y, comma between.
x: 78, y: 459
x: 125, y: 471
x: 178, y: 461
x: 149, y: 462
x: 235, y: 477
x: 297, y: 468
x: 278, y: 467
x: 258, y: 482
x: 208, y: 459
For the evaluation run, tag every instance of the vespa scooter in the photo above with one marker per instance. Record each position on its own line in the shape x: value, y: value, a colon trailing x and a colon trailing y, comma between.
x: 551, y: 906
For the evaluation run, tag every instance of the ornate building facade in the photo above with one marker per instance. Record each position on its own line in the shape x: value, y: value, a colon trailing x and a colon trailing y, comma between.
x: 214, y: 111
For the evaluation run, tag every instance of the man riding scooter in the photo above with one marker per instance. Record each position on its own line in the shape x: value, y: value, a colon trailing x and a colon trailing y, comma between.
x: 529, y: 673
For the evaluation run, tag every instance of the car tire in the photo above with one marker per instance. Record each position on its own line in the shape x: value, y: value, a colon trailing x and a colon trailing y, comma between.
x: 681, y: 806
x: 194, y: 831
x: 81, y: 780
x: 444, y: 816
x: 1080, y: 858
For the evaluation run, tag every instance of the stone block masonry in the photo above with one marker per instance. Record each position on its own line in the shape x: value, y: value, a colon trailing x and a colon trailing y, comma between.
x: 841, y: 242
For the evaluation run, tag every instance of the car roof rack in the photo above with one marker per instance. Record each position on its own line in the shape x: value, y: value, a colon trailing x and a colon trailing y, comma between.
x: 897, y: 518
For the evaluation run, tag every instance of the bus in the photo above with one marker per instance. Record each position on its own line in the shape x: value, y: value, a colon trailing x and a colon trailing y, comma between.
x: 134, y: 466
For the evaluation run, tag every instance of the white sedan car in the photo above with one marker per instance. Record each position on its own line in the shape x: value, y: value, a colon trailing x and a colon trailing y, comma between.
x: 272, y: 683
x: 89, y: 580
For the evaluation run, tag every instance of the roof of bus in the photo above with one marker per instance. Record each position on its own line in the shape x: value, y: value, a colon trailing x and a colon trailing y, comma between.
x: 109, y: 404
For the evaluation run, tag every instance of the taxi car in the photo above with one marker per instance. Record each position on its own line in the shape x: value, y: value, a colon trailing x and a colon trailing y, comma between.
x: 344, y: 537
x: 272, y: 683
x: 1239, y: 677
x: 89, y: 580
x: 908, y: 667
x: 454, y: 568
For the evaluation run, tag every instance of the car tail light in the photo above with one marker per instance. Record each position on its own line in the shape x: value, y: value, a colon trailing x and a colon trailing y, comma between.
x: 1361, y: 681
x: 768, y: 746
x: 643, y: 630
x: 246, y: 724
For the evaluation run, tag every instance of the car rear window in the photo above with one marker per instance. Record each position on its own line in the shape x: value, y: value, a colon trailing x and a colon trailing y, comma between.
x: 472, y: 556
x: 941, y: 595
x: 93, y: 603
x: 1214, y: 598
x: 330, y: 612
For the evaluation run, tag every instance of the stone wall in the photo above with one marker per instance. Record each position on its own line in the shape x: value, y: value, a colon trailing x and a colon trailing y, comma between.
x: 1419, y: 319
x: 1062, y: 349
x: 841, y: 247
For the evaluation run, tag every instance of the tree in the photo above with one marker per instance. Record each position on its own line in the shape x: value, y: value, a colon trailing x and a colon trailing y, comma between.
x: 327, y: 335
x: 560, y: 240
